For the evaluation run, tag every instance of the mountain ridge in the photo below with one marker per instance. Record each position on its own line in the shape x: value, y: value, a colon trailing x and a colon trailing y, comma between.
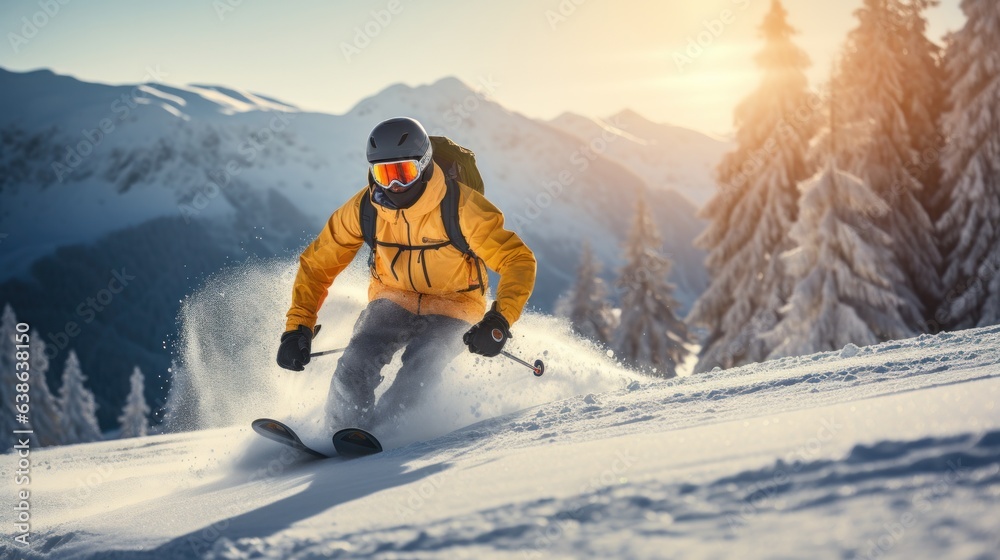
x: 197, y: 154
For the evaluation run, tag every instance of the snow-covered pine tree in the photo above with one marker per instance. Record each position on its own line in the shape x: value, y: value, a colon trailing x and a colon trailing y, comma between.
x: 650, y: 336
x: 875, y: 74
x: 924, y: 101
x: 843, y: 269
x: 586, y: 305
x: 78, y: 405
x: 134, y: 420
x: 970, y: 228
x: 756, y: 205
x: 8, y: 379
x: 46, y: 417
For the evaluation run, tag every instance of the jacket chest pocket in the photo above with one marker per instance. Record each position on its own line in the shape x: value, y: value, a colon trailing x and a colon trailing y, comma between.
x: 430, y: 268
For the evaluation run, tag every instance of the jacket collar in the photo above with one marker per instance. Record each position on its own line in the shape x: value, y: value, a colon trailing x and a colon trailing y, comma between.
x: 429, y: 201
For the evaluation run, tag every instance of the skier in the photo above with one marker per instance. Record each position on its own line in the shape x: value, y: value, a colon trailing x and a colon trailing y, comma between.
x: 427, y: 287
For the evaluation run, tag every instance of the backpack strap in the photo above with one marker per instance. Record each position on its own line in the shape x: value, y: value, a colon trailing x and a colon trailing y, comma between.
x: 453, y: 228
x: 367, y: 217
x: 449, y: 215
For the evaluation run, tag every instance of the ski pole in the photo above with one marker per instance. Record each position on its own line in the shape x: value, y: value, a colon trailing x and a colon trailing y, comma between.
x: 538, y: 368
x: 325, y: 352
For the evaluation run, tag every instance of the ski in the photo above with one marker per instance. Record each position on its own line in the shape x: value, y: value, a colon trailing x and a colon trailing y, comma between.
x: 349, y: 442
x: 279, y: 432
x: 355, y: 442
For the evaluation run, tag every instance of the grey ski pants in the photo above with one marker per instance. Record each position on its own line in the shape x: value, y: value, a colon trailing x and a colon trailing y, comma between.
x: 382, y: 329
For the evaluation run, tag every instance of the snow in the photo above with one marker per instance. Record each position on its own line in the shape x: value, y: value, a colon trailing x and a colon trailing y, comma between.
x: 875, y: 452
x: 843, y: 270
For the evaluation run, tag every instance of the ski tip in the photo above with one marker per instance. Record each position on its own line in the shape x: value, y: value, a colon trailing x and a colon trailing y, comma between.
x: 279, y: 432
x: 261, y: 425
x: 355, y: 442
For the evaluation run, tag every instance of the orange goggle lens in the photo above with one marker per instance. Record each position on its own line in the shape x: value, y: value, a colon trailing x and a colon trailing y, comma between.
x: 403, y: 173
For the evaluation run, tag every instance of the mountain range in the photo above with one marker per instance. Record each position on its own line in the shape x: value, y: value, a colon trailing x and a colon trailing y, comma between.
x: 170, y: 184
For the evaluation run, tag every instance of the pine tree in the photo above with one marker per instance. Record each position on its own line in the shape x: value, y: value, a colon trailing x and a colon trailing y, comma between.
x: 134, y: 420
x: 649, y: 336
x: 843, y: 271
x: 756, y: 205
x: 46, y: 417
x: 586, y: 304
x: 875, y: 74
x: 970, y: 228
x: 8, y: 379
x: 924, y: 101
x: 77, y: 404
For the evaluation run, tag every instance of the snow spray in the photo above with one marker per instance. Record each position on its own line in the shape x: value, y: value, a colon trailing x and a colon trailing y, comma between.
x: 226, y: 372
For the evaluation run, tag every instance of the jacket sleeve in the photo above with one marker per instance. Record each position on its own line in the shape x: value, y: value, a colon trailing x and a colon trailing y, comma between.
x: 502, y: 251
x: 325, y: 258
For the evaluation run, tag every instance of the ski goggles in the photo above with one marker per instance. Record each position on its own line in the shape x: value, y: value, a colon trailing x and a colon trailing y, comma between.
x: 398, y: 176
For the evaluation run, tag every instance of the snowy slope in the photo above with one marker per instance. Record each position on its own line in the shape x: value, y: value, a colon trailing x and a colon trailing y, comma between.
x: 891, y: 451
x: 666, y: 157
x: 64, y: 183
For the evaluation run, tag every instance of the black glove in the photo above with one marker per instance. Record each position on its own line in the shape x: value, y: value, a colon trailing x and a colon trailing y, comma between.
x: 489, y: 335
x: 295, y: 346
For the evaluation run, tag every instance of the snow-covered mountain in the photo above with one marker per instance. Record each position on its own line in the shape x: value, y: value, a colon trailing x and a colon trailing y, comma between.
x: 889, y: 451
x: 174, y: 183
x: 66, y: 181
x: 665, y: 156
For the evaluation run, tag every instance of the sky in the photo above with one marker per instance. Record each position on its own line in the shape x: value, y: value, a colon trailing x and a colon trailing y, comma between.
x: 682, y: 62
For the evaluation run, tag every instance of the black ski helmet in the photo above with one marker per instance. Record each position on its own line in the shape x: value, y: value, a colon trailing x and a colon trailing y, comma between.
x: 398, y: 138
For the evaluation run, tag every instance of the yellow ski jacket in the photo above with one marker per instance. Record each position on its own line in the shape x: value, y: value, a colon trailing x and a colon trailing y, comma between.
x: 431, y: 282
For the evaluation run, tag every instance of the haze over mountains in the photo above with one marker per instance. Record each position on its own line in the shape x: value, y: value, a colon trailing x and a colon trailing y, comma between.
x: 174, y: 183
x: 665, y: 156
